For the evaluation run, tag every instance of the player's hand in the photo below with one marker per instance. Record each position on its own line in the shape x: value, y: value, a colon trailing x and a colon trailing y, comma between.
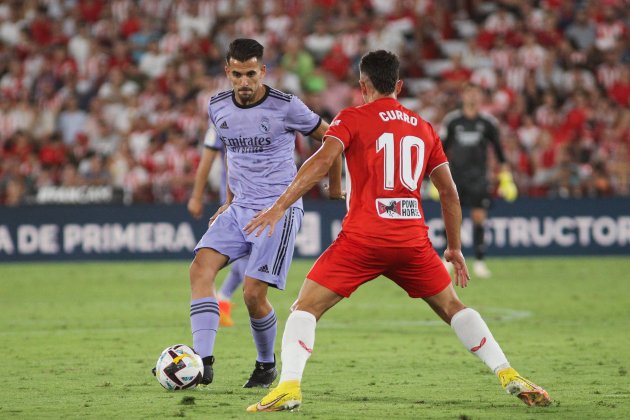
x: 335, y: 193
x: 195, y: 207
x: 220, y: 210
x: 507, y: 189
x: 267, y: 217
x: 456, y: 258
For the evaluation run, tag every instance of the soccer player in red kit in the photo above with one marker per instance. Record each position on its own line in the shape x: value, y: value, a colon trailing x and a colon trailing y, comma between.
x: 388, y: 149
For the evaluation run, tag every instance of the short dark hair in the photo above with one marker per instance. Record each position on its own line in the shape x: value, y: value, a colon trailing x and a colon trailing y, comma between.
x: 381, y: 67
x: 243, y: 49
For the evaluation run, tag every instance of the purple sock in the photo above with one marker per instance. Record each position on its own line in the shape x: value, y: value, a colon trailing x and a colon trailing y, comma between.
x: 232, y: 281
x: 204, y: 321
x: 264, y: 332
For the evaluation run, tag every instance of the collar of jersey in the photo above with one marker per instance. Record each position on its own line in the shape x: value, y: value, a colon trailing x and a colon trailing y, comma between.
x: 260, y: 101
x: 386, y: 98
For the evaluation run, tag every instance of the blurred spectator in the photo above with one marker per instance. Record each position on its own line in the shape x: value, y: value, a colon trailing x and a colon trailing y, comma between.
x: 531, y: 55
x: 582, y: 31
x: 528, y: 134
x: 336, y: 62
x: 457, y: 75
x: 71, y: 121
x: 153, y: 62
x: 115, y: 92
x: 320, y: 42
x: 93, y: 170
x: 610, y: 29
x: 619, y: 91
x: 297, y: 60
x: 384, y: 36
x: 140, y: 40
x: 79, y: 48
x: 41, y: 26
x: 283, y: 80
x: 10, y: 25
x: 140, y: 137
x: 52, y: 152
x: 70, y: 176
x: 277, y: 23
x: 500, y: 22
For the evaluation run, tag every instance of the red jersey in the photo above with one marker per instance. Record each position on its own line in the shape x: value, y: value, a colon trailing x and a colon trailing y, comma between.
x: 388, y: 149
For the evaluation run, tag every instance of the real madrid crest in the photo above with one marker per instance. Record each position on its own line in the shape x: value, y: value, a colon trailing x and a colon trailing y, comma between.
x: 265, y: 125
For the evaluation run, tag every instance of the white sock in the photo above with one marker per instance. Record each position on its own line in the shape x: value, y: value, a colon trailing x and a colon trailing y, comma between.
x: 297, y: 344
x: 474, y: 334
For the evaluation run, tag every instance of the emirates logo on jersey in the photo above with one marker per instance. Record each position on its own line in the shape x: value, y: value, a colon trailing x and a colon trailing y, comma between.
x: 398, y: 208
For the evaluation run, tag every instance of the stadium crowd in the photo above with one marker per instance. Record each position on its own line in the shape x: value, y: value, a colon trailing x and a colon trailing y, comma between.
x: 96, y: 92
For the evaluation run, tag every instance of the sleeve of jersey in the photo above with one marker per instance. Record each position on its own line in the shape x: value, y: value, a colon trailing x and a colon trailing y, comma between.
x: 493, y: 136
x: 301, y: 118
x: 340, y: 129
x: 211, y: 140
x: 437, y: 157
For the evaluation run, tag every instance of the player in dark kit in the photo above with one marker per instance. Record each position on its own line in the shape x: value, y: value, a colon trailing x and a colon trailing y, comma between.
x: 388, y: 149
x: 467, y: 134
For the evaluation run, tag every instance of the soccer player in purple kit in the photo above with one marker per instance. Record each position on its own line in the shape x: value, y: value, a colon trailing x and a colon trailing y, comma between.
x: 213, y: 149
x: 257, y: 124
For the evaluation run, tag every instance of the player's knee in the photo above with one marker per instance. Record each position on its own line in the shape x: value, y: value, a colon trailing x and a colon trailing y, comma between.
x: 200, y: 274
x: 254, y: 297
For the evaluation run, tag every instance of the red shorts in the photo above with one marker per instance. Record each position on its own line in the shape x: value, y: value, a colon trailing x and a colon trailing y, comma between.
x: 347, y: 264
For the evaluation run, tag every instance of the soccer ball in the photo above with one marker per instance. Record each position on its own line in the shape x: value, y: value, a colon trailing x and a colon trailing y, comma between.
x: 179, y: 367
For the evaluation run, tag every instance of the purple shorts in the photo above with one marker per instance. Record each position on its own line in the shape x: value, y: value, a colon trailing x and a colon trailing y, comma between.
x: 269, y: 258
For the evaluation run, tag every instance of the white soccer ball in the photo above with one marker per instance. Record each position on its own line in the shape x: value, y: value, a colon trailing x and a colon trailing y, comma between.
x: 179, y: 367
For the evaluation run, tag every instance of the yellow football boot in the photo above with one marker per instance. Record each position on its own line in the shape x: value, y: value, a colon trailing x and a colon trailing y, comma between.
x: 286, y: 396
x: 528, y: 392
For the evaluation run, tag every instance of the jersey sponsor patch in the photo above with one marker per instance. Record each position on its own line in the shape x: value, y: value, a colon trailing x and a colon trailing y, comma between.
x: 398, y: 208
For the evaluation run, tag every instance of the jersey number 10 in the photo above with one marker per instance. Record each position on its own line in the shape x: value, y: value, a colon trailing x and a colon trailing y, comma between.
x: 409, y: 173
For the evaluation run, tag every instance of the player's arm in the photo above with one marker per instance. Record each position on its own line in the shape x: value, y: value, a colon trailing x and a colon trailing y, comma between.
x: 335, y: 191
x: 452, y: 215
x: 507, y: 188
x: 229, y: 195
x: 318, y: 133
x: 195, y: 203
x: 493, y: 138
x: 314, y: 169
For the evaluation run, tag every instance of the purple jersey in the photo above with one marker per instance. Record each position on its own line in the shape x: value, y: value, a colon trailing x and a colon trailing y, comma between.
x: 260, y: 142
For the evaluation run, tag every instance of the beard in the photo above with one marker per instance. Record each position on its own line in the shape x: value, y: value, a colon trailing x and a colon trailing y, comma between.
x: 245, y: 93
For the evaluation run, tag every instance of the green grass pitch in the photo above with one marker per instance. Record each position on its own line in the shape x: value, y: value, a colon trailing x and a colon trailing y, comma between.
x: 79, y: 340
